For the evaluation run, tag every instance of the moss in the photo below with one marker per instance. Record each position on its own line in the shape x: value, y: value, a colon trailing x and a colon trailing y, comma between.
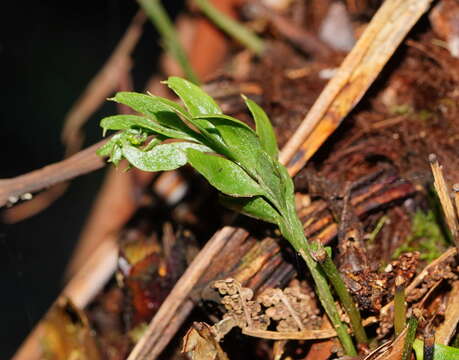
x: 402, y: 109
x: 426, y: 237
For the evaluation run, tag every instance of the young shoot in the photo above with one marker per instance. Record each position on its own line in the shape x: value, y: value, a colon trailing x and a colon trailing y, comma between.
x: 242, y: 164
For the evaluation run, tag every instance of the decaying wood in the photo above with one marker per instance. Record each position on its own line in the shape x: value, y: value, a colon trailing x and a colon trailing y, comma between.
x: 362, y: 65
x: 391, y: 350
x: 448, y: 327
x: 172, y: 327
x: 442, y: 190
x: 451, y: 252
x: 255, y: 264
x: 179, y: 294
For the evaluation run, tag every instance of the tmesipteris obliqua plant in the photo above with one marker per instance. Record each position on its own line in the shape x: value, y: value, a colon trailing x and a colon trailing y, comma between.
x: 242, y: 164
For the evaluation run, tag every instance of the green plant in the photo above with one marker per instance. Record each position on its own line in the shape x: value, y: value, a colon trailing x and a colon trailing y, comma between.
x: 441, y: 352
x: 239, y: 32
x: 426, y: 237
x: 240, y: 162
x: 161, y: 21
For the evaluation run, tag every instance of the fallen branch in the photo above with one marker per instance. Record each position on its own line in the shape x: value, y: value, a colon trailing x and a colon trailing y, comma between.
x: 86, y: 161
x: 101, y: 86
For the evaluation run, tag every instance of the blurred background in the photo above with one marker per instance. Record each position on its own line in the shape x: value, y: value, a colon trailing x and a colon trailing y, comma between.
x: 49, y: 51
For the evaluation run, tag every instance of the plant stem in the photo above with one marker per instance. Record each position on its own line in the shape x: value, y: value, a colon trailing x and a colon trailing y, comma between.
x: 399, y: 309
x: 163, y: 24
x: 334, y: 277
x: 231, y: 27
x: 409, y: 339
x: 293, y: 231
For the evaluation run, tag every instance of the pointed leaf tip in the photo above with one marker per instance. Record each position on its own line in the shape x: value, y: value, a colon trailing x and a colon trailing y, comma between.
x: 196, y: 100
x: 264, y: 128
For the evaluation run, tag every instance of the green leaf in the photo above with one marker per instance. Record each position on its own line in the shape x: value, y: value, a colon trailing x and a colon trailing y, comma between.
x: 223, y: 174
x: 245, y: 148
x: 162, y: 157
x: 264, y: 128
x: 107, y: 148
x: 112, y: 149
x: 227, y: 117
x: 164, y: 111
x: 255, y: 207
x: 240, y: 139
x: 122, y: 122
x: 287, y: 187
x: 441, y: 352
x: 195, y: 99
x: 148, y: 104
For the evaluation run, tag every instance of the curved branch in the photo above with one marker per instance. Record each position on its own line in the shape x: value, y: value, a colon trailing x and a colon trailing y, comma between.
x: 13, y: 189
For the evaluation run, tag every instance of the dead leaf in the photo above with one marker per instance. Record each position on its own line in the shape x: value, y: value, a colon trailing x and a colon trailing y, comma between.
x: 200, y: 344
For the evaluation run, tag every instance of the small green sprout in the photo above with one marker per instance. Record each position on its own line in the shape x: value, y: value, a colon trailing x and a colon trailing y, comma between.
x: 239, y: 162
x: 426, y: 237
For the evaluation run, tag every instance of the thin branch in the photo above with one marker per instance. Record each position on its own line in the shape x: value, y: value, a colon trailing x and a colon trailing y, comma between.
x: 101, y: 86
x: 86, y: 161
x: 239, y: 32
x: 306, y: 334
x: 298, y: 35
x: 442, y: 190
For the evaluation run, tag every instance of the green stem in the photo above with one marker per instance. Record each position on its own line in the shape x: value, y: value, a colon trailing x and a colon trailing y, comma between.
x: 409, y: 339
x: 335, y: 278
x: 163, y: 24
x: 399, y: 309
x: 293, y: 231
x: 231, y: 27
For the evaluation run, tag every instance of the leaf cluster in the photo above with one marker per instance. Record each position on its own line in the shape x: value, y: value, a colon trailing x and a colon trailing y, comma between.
x: 238, y: 161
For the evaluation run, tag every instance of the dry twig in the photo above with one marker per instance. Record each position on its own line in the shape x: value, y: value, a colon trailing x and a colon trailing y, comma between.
x: 446, y: 330
x: 362, y: 65
x: 86, y: 161
x: 443, y: 194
